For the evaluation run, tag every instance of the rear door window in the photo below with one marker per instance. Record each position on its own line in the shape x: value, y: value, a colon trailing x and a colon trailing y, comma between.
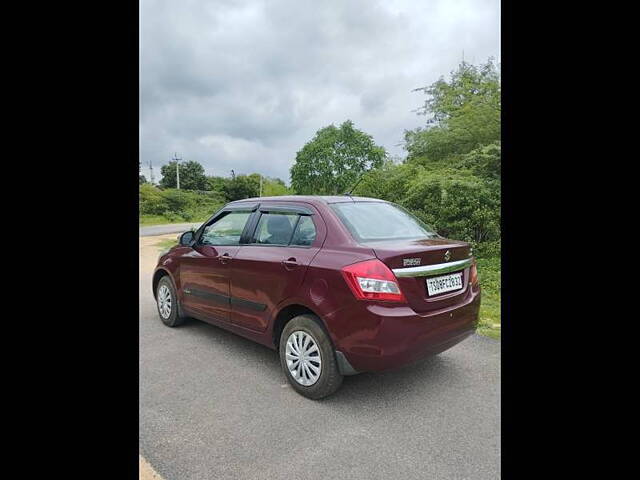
x: 275, y: 228
x: 283, y: 229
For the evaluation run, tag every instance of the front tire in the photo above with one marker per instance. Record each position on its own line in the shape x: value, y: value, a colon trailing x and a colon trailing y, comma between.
x: 167, y: 303
x: 308, y: 359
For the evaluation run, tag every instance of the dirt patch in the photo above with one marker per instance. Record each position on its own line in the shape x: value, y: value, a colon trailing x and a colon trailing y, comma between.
x: 147, y: 472
x: 149, y: 250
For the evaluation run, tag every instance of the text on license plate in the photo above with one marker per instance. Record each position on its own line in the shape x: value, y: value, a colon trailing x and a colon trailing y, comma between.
x: 445, y: 283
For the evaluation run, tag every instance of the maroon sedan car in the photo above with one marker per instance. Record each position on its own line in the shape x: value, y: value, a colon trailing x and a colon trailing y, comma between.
x: 337, y: 285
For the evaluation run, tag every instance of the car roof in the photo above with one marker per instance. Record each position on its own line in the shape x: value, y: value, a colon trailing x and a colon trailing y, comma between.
x: 312, y: 199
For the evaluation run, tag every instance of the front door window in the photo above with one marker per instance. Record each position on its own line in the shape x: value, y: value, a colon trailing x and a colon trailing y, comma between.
x: 226, y: 230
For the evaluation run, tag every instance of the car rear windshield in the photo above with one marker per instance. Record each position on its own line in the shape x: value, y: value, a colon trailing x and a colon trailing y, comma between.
x: 372, y: 221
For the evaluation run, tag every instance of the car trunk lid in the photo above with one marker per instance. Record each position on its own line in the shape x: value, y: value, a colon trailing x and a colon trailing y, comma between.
x: 407, y: 258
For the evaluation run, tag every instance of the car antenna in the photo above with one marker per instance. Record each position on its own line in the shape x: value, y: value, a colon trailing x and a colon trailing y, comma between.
x: 348, y: 194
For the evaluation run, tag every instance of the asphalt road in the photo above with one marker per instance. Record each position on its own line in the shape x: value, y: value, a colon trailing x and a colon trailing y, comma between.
x: 216, y: 406
x: 164, y: 229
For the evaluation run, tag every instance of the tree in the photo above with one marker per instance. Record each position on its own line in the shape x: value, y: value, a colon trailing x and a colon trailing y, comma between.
x: 334, y: 159
x: 463, y: 114
x: 192, y: 176
x: 242, y: 186
x: 273, y: 187
x: 389, y: 182
x: 216, y: 184
x: 485, y: 161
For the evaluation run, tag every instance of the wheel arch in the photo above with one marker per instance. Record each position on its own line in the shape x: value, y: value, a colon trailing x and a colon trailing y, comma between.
x: 286, y: 313
x: 157, y: 275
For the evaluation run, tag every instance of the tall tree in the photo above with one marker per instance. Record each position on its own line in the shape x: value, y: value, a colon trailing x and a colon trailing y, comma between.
x: 192, y: 176
x: 463, y: 114
x: 334, y: 159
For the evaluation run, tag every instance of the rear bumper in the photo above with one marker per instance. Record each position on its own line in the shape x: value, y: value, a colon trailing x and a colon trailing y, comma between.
x: 376, y: 337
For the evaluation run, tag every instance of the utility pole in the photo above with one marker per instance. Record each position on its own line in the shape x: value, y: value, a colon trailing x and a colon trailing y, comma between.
x: 260, y: 185
x: 177, y: 160
x: 153, y: 180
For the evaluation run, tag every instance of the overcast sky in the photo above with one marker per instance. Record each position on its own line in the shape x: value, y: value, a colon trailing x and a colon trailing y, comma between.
x: 244, y: 85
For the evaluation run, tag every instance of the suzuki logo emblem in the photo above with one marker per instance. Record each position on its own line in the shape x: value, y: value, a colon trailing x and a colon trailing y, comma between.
x: 447, y: 256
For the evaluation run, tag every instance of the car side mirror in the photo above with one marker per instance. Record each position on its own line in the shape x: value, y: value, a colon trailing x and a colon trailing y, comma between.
x: 186, y: 239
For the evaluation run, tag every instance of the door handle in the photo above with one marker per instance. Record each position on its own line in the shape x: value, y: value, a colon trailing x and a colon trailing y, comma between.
x: 224, y: 258
x: 290, y: 263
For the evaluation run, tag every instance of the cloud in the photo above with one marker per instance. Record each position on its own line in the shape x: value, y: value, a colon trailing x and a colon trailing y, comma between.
x: 245, y: 85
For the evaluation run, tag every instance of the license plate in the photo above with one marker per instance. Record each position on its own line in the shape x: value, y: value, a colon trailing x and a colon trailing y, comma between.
x: 445, y: 283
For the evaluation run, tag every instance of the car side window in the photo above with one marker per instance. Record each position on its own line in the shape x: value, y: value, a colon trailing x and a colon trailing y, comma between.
x: 275, y: 228
x: 226, y: 230
x: 305, y: 232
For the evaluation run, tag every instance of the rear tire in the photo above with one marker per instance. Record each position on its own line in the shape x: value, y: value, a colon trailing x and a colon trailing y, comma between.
x: 308, y: 359
x: 167, y: 303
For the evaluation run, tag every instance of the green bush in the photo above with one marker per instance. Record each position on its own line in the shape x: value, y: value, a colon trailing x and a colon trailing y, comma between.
x: 389, y: 182
x: 457, y: 203
x: 151, y: 200
x: 178, y: 205
x: 485, y: 161
x: 487, y: 249
x: 460, y: 208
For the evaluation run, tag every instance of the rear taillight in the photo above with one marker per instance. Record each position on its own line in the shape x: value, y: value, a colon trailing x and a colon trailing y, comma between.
x: 372, y: 280
x: 473, y: 274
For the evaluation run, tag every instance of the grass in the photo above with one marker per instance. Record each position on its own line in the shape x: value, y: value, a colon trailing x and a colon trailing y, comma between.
x: 489, y: 273
x: 166, y: 243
